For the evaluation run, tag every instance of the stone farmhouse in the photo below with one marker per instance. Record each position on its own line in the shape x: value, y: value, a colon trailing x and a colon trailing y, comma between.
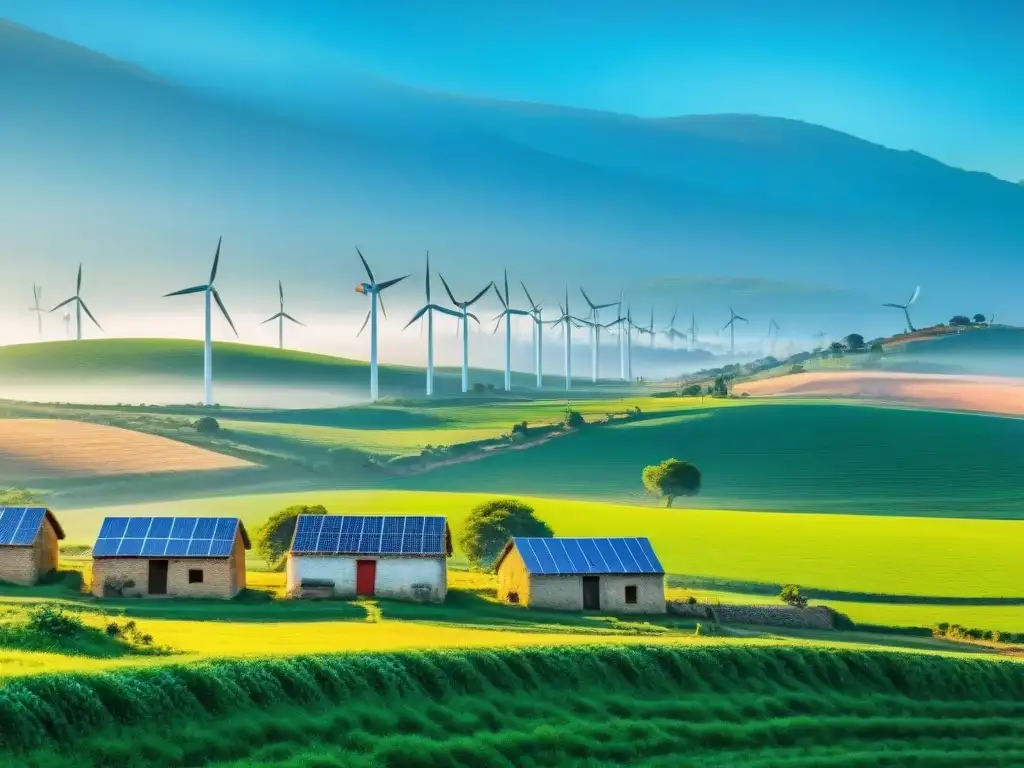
x: 29, y: 544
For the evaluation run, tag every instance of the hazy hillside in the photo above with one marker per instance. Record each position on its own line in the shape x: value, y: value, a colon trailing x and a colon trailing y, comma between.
x: 143, y: 175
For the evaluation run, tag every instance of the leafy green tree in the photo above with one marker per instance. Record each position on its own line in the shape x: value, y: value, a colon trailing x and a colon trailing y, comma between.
x: 19, y: 497
x: 273, y: 538
x: 721, y: 386
x: 979, y: 318
x: 791, y: 595
x: 207, y: 425
x: 670, y: 479
x: 691, y: 391
x: 836, y: 348
x: 960, y: 320
x: 491, y: 524
x: 854, y: 342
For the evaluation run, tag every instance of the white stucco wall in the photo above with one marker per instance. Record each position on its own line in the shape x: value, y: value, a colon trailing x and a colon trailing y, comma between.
x: 395, y: 578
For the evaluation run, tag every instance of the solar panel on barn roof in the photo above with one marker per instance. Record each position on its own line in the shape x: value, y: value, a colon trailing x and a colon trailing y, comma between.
x: 172, y: 537
x: 562, y: 556
x: 19, y: 525
x: 369, y: 535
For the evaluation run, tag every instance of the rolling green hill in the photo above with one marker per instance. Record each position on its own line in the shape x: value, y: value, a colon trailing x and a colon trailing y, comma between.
x: 777, y: 456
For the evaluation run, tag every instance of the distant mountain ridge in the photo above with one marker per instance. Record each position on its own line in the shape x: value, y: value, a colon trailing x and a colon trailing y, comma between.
x: 130, y: 164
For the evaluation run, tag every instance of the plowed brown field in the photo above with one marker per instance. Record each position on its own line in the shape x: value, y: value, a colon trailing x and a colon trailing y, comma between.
x: 35, y: 448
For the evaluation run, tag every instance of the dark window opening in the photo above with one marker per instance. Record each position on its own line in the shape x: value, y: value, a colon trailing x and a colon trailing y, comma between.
x: 513, y: 597
x: 631, y: 595
x: 195, y: 576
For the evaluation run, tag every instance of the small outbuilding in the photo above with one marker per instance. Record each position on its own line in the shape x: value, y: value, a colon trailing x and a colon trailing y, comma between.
x: 29, y: 544
x: 399, y: 556
x: 619, y: 575
x: 170, y: 556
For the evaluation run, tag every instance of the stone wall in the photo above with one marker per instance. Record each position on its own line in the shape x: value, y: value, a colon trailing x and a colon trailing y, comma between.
x: 513, y: 579
x: 19, y: 565
x: 817, y: 617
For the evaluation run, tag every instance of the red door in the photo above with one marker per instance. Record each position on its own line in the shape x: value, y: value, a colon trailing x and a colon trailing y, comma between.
x: 366, y: 575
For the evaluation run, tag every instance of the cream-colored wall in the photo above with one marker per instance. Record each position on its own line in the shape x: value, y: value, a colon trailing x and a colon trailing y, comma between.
x: 24, y: 565
x: 513, y: 577
x: 565, y: 593
x: 223, y: 577
x: 394, y: 579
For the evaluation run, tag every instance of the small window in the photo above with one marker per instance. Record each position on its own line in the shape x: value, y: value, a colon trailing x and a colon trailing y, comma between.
x: 513, y: 597
x: 195, y: 576
x: 631, y: 595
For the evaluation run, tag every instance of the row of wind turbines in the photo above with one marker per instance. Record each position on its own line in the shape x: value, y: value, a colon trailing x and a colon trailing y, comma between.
x: 622, y: 325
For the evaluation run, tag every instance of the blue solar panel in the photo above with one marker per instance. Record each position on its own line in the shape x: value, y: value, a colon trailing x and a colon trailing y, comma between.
x: 29, y: 527
x: 161, y: 528
x: 205, y: 526
x: 176, y: 548
x: 330, y: 534
x: 182, y: 527
x: 130, y: 547
x: 105, y: 547
x: 351, y: 524
x: 582, y: 556
x: 307, y: 531
x: 393, y: 525
x: 226, y: 528
x: 433, y: 545
x: 369, y: 543
x: 412, y: 543
x: 113, y: 528
x: 10, y: 519
x: 199, y: 547
x: 433, y: 525
x: 154, y: 547
x: 138, y: 527
x: 391, y: 544
x: 414, y: 526
x: 369, y: 535
x: 221, y: 548
x: 373, y: 524
x: 348, y: 543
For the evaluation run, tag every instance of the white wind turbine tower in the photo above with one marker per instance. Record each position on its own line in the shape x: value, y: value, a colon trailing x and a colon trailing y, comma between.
x: 208, y: 292
x: 466, y: 315
x: 429, y: 309
x: 538, y: 335
x: 731, y: 325
x: 373, y: 289
x: 568, y: 322
x: 281, y: 316
x: 906, y: 307
x: 37, y: 296
x: 693, y: 331
x: 595, y: 334
x: 79, y: 306
x: 623, y: 324
x: 507, y: 313
x: 619, y: 320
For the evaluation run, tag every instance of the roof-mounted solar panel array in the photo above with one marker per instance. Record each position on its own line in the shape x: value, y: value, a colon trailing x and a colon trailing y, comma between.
x: 20, y: 525
x: 172, y: 537
x: 588, y: 556
x: 369, y: 535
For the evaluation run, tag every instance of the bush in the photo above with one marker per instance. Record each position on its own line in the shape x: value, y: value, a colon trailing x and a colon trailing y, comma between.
x: 693, y: 390
x: 54, y: 621
x: 207, y: 425
x: 490, y: 525
x: 19, y: 497
x: 273, y: 538
x: 797, y: 369
x: 791, y: 595
x: 670, y: 479
x: 573, y: 419
x: 522, y: 428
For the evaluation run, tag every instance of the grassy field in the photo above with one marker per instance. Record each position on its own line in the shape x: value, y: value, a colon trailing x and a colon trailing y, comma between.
x: 703, y: 705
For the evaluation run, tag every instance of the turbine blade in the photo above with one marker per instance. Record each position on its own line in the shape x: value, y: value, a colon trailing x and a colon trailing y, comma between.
x: 585, y: 298
x: 471, y: 316
x: 428, y: 277
x: 280, y: 291
x: 380, y: 300
x: 389, y: 283
x: 183, y: 291
x: 529, y: 298
x: 498, y: 293
x: 78, y: 288
x: 286, y: 316
x: 894, y: 306
x: 480, y: 295
x: 272, y: 317
x: 223, y: 309
x: 917, y: 292
x: 86, y: 310
x: 447, y: 289
x: 445, y: 310
x: 497, y: 325
x: 365, y: 321
x: 216, y: 261
x: 742, y: 318
x: 63, y: 303
x: 727, y: 324
x: 366, y: 266
x: 506, y: 288
x: 417, y: 316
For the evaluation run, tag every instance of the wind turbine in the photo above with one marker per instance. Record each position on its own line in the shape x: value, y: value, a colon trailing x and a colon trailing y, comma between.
x: 773, y: 326
x: 428, y: 309
x: 626, y: 326
x: 731, y: 325
x: 373, y: 289
x: 568, y: 322
x: 671, y: 331
x: 79, y: 306
x: 906, y: 307
x: 538, y: 335
x: 37, y: 296
x: 693, y: 331
x: 281, y: 316
x: 506, y: 313
x: 208, y: 291
x: 595, y: 333
x: 465, y: 314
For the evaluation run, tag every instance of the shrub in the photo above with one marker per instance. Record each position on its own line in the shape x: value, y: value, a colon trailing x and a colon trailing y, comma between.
x: 207, y: 425
x: 491, y: 524
x: 19, y: 497
x: 797, y: 369
x: 55, y: 621
x: 691, y: 391
x: 670, y: 479
x: 520, y: 429
x: 573, y: 419
x: 791, y: 595
x: 273, y: 538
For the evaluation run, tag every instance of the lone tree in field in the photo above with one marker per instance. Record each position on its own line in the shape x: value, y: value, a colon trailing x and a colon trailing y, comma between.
x: 273, y: 538
x: 670, y: 479
x: 979, y: 318
x: 791, y: 595
x: 490, y: 525
x: 854, y: 342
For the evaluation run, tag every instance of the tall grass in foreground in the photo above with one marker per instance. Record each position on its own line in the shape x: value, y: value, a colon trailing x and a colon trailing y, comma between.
x: 542, y: 707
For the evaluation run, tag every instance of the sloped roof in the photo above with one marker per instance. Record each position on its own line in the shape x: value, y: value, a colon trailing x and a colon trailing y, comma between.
x: 585, y: 556
x: 176, y: 537
x: 19, y: 526
x: 401, y: 535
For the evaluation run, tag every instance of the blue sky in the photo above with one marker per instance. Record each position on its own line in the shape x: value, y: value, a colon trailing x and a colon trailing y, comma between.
x: 943, y: 77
